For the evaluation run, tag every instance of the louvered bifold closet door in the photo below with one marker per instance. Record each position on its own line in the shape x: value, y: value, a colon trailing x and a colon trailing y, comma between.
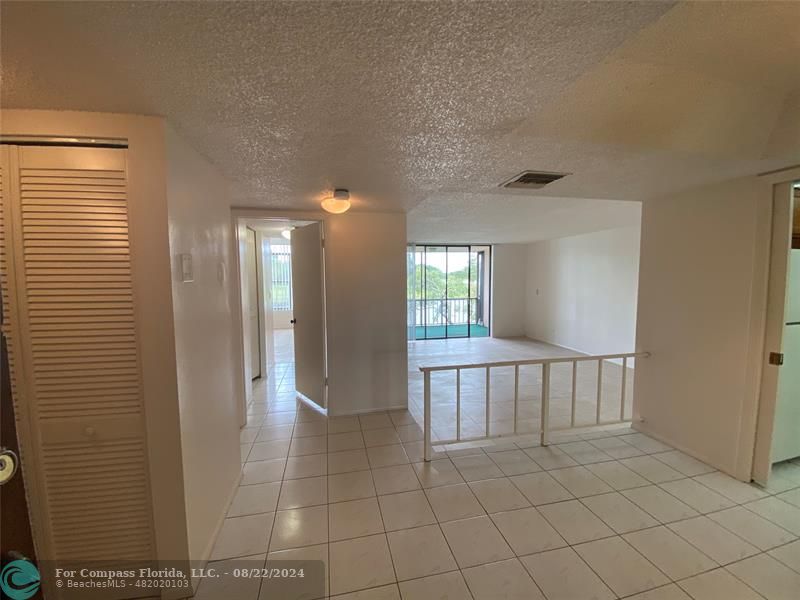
x: 81, y: 379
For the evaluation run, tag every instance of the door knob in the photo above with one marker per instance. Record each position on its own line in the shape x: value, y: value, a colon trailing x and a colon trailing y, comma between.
x: 8, y: 465
x: 293, y: 321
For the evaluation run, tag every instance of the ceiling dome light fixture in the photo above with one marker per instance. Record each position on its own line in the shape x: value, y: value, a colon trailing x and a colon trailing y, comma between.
x: 287, y: 233
x: 338, y: 203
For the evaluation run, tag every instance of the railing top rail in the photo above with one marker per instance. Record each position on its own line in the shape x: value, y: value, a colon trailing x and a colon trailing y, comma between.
x: 442, y: 299
x: 534, y: 361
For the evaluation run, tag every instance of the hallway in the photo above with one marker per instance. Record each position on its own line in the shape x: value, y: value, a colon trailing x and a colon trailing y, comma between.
x: 617, y: 512
x: 280, y: 381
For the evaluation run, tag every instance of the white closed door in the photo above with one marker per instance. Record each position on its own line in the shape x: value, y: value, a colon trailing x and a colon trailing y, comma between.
x: 786, y: 436
x: 309, y: 312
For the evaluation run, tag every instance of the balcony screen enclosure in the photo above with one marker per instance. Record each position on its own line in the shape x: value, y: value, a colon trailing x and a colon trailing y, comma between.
x: 448, y: 291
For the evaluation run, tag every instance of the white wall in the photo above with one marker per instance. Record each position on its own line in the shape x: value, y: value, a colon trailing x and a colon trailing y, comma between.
x: 199, y: 224
x: 581, y: 291
x: 702, y: 300
x: 508, y: 290
x: 365, y: 256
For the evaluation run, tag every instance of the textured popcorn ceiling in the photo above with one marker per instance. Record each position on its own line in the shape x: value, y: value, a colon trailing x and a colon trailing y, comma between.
x: 427, y: 107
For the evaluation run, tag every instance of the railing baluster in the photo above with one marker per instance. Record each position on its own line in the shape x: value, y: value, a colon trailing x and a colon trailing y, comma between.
x: 427, y: 401
x: 574, y: 392
x: 599, y: 389
x: 458, y: 404
x: 622, y: 392
x: 488, y: 399
x: 516, y: 395
x: 545, y: 416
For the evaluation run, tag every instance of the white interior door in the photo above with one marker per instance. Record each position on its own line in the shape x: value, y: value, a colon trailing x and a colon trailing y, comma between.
x: 786, y: 435
x: 253, y: 293
x: 775, y: 403
x: 309, y: 312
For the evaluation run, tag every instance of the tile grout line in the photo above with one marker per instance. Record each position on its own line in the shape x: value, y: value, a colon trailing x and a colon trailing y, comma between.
x: 385, y: 535
x: 275, y: 515
x: 328, y: 588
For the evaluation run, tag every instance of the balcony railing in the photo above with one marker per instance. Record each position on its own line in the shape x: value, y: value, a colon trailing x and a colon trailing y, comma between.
x: 544, y: 420
x: 445, y: 311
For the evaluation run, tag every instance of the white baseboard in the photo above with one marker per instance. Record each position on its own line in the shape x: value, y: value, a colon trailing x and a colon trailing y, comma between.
x: 217, y: 527
x: 366, y: 411
x: 310, y: 403
x: 616, y: 361
x: 641, y: 427
x: 560, y: 346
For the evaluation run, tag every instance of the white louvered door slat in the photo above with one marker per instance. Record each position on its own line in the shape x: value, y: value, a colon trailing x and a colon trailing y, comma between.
x: 74, y: 297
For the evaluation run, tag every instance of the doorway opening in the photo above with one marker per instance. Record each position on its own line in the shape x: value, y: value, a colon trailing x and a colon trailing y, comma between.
x: 449, y: 289
x: 280, y: 290
x: 281, y: 279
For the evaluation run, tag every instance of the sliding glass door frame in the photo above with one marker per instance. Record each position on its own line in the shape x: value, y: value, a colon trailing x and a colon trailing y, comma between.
x: 483, y: 265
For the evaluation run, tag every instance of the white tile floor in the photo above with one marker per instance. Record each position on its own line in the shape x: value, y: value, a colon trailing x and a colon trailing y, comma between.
x: 596, y: 515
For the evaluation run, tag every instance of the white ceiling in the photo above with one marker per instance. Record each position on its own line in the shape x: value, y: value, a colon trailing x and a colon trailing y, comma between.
x: 427, y: 106
x: 513, y: 218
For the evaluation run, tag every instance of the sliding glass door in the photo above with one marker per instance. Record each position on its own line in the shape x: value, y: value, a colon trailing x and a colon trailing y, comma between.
x: 448, y: 291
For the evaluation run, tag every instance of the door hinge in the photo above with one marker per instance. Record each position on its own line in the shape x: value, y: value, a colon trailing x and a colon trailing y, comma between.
x: 326, y: 381
x: 776, y: 358
x: 322, y: 242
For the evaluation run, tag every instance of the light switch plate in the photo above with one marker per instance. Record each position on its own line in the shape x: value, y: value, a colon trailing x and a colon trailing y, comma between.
x: 222, y: 272
x: 187, y: 268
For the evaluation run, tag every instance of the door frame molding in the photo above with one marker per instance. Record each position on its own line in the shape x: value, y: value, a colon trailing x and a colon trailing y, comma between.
x: 239, y: 214
x: 780, y: 245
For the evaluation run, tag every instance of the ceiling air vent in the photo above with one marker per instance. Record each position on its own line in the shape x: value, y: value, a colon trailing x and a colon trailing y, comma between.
x: 532, y: 180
